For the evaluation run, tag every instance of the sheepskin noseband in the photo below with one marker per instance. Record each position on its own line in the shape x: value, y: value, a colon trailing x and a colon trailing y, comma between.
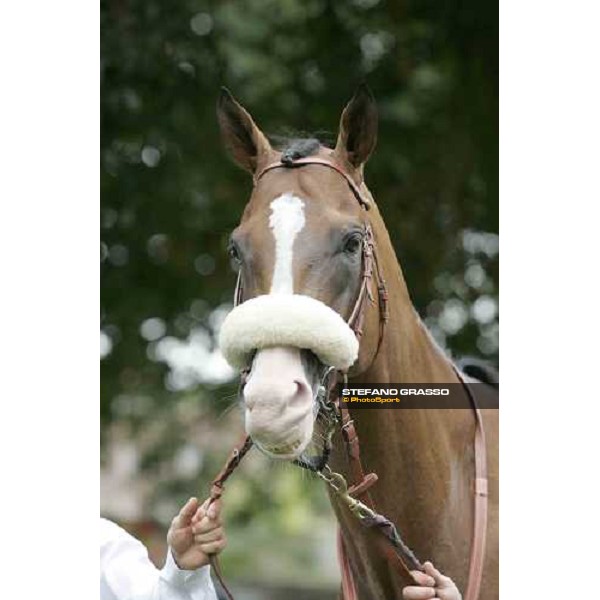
x: 287, y: 320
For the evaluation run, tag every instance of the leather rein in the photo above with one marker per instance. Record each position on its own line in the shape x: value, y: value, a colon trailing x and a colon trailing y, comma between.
x: 333, y: 414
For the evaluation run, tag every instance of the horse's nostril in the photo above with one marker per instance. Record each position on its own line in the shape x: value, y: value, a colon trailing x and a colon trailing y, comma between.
x: 301, y: 393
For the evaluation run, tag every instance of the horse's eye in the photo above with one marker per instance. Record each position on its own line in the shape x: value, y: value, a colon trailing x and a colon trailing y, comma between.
x: 234, y: 254
x: 353, y: 244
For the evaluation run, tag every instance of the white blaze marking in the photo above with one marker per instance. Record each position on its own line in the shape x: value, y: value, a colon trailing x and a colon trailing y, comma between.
x: 286, y: 221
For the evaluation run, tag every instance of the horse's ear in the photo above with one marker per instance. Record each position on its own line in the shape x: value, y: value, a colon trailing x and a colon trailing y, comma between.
x: 358, y: 128
x: 246, y: 143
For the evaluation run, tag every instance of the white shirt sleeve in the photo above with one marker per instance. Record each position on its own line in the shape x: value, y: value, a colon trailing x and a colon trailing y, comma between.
x: 126, y: 572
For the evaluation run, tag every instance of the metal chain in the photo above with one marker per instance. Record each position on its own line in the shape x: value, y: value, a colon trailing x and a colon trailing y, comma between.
x: 369, y: 518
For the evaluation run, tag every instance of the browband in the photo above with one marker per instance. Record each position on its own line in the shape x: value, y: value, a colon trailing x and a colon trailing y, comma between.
x: 287, y: 163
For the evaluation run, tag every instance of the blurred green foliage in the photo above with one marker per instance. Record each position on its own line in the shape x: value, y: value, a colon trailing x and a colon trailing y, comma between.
x: 170, y: 197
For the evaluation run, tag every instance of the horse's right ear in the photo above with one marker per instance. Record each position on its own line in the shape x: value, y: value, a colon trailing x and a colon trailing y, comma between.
x: 245, y: 142
x: 358, y: 128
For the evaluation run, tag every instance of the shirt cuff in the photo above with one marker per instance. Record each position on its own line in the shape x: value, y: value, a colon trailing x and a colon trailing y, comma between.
x: 172, y: 574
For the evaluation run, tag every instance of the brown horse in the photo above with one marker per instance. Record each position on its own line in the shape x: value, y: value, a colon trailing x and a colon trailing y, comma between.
x: 299, y: 248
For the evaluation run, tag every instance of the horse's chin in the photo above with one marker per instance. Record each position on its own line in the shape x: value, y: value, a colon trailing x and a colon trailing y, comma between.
x: 290, y: 449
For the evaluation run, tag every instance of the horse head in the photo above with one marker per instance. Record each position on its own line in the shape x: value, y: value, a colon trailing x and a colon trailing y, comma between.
x: 300, y: 248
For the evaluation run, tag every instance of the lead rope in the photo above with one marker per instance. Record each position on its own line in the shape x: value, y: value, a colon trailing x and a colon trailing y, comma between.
x: 369, y: 518
x: 216, y: 491
x: 393, y: 547
x: 365, y: 512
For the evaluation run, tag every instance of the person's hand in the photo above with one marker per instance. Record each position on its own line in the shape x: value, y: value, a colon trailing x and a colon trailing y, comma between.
x: 432, y: 585
x: 195, y: 533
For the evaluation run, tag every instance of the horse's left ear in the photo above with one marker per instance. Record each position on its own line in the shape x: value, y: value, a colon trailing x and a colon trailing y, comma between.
x: 358, y: 128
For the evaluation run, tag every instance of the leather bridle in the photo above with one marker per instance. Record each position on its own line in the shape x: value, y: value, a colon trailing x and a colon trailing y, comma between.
x: 335, y: 413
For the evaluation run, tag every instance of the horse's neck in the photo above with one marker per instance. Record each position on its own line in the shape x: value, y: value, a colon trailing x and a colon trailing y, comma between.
x: 415, y: 447
x: 417, y: 454
x: 408, y: 353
